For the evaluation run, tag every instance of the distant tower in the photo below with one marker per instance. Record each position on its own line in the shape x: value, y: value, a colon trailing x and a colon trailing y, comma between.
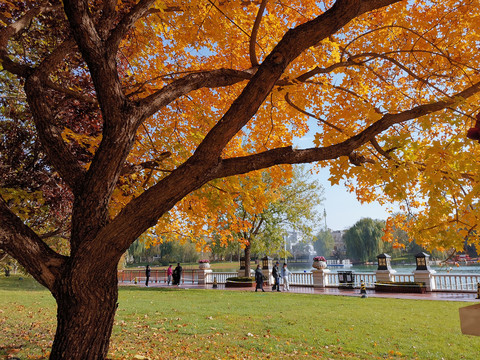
x: 325, y: 217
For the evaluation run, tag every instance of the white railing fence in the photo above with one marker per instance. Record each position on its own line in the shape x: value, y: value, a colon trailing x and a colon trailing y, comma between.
x: 403, y: 277
x: 459, y: 282
x: 333, y: 280
x: 368, y: 278
x: 221, y: 277
x: 300, y: 279
x: 441, y: 281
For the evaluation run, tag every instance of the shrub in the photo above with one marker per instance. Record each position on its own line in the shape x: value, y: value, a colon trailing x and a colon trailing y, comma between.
x: 241, y: 279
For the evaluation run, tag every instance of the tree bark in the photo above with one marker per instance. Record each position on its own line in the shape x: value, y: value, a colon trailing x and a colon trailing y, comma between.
x: 247, y: 260
x: 86, y: 305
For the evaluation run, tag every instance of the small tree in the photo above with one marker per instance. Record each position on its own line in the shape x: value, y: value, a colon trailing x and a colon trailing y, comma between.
x: 364, y: 239
x: 324, y: 243
x: 289, y: 206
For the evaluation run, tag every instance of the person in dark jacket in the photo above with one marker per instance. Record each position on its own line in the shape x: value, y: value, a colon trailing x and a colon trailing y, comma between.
x: 259, y: 279
x: 147, y: 274
x: 177, y: 274
x: 276, y: 277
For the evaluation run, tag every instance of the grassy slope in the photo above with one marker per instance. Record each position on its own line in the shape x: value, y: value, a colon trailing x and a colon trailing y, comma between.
x: 211, y: 324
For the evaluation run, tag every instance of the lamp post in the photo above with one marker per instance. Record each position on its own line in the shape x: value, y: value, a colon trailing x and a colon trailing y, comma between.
x: 241, y: 271
x: 384, y: 271
x: 267, y: 265
x: 422, y: 261
x: 423, y: 272
x: 242, y: 263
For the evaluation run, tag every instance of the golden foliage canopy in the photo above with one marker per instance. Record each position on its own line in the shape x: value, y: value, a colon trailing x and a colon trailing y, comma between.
x: 387, y: 62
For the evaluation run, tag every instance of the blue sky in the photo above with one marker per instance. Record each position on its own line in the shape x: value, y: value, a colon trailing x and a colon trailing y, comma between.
x: 343, y: 209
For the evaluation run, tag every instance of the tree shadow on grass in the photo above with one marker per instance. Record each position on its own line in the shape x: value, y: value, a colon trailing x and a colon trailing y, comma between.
x: 151, y: 288
x: 20, y: 283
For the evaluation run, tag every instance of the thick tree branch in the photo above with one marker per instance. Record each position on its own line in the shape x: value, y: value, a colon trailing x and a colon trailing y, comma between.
x: 127, y: 23
x: 253, y: 37
x: 288, y: 155
x: 107, y: 19
x: 51, y: 137
x: 53, y: 60
x: 20, y: 242
x: 144, y: 211
x: 84, y: 30
x: 189, y: 83
x: 292, y: 45
x: 101, y: 61
x: 120, y: 117
x: 12, y: 29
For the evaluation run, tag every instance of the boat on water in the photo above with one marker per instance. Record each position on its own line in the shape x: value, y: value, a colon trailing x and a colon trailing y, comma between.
x: 340, y: 264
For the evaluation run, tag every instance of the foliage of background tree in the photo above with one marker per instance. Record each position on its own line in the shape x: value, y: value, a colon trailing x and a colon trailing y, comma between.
x: 168, y: 252
x: 364, y: 240
x: 291, y: 206
x: 146, y: 110
x: 324, y: 243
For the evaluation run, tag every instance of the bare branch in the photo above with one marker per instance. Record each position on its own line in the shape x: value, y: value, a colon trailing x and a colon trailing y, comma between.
x: 377, y: 147
x: 289, y: 102
x: 152, y: 164
x: 60, y: 231
x: 228, y: 18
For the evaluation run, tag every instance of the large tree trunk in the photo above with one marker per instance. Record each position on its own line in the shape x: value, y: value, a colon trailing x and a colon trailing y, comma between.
x: 247, y: 260
x: 86, y: 310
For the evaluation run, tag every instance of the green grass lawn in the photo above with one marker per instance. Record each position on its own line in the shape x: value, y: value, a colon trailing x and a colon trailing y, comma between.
x: 215, y: 324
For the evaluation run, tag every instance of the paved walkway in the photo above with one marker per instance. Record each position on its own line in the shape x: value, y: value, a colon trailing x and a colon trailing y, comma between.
x: 445, y: 296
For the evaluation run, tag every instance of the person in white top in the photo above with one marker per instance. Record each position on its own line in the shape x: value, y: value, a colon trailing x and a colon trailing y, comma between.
x: 286, y: 277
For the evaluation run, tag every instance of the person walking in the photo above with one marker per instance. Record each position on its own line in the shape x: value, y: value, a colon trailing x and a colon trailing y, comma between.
x: 286, y: 277
x: 169, y: 274
x: 276, y: 277
x: 147, y: 274
x: 178, y: 274
x: 259, y: 279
